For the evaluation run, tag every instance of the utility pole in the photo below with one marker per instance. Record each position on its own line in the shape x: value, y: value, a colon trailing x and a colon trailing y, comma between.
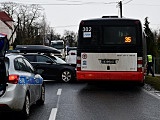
x: 120, y: 6
x: 51, y: 37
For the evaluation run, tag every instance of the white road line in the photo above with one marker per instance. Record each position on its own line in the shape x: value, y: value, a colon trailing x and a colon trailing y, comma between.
x: 54, y: 110
x: 151, y: 93
x: 53, y: 114
x: 59, y: 91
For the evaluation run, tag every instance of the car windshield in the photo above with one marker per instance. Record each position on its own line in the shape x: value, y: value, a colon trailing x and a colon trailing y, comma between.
x: 57, y: 59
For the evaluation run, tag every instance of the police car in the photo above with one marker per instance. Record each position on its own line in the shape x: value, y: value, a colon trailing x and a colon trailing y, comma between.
x: 21, y: 86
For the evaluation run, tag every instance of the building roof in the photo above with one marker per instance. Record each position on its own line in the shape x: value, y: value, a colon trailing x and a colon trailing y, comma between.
x: 5, y: 17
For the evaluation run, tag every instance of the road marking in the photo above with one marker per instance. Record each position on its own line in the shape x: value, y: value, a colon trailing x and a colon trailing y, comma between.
x: 53, y: 114
x: 157, y: 93
x: 59, y: 91
x: 152, y: 93
x: 54, y: 110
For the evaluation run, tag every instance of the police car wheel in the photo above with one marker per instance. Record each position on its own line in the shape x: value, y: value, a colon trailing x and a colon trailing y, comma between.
x: 26, y: 107
x: 42, y: 97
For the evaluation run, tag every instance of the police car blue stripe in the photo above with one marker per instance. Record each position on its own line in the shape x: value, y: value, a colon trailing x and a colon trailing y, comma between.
x: 29, y: 80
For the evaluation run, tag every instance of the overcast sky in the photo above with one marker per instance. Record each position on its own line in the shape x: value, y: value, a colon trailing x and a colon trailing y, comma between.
x: 67, y: 14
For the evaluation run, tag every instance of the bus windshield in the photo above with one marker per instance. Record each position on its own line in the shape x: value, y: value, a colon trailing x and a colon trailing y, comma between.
x: 57, y: 44
x: 111, y: 35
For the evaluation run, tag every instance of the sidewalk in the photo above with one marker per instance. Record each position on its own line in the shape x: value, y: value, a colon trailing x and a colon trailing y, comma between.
x: 157, y: 74
x: 154, y: 74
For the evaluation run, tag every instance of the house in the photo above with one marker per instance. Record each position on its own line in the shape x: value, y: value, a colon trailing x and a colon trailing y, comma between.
x: 7, y: 26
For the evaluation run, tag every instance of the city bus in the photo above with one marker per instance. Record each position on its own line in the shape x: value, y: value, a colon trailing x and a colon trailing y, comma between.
x: 59, y: 44
x: 111, y: 49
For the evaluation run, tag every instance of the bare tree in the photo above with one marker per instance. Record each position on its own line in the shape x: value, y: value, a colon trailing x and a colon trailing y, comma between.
x: 10, y: 8
x: 29, y: 21
x: 70, y: 38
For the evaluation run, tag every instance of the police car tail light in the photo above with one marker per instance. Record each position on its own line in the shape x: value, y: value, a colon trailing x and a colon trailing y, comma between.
x: 139, y: 64
x: 78, y: 63
x: 13, y: 79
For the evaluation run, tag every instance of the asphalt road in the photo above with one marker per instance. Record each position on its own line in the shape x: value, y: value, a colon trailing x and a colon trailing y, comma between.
x: 107, y: 101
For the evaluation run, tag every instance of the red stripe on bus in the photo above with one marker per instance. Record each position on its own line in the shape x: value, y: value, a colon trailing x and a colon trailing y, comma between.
x: 128, y: 76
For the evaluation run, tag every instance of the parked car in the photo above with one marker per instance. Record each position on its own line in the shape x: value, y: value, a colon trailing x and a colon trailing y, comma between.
x: 52, y: 68
x: 21, y: 87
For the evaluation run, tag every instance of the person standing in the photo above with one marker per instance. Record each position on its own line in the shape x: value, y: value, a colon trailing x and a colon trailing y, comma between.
x: 150, y: 65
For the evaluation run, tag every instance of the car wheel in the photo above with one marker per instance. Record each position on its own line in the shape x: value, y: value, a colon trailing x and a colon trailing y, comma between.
x: 26, y: 107
x: 66, y: 76
x: 42, y: 98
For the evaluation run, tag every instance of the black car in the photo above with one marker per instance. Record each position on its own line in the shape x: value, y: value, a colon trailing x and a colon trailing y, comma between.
x: 52, y: 68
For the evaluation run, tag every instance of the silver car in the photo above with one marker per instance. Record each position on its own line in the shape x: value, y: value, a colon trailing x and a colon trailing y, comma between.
x: 21, y: 87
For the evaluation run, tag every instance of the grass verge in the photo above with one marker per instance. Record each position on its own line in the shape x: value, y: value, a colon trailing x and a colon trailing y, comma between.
x: 153, y: 81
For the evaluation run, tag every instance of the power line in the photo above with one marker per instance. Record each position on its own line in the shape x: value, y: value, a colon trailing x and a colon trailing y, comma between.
x: 120, y: 6
x: 49, y: 4
x: 128, y: 2
x: 80, y: 3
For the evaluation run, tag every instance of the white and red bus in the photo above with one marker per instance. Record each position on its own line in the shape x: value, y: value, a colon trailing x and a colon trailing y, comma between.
x: 111, y: 49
